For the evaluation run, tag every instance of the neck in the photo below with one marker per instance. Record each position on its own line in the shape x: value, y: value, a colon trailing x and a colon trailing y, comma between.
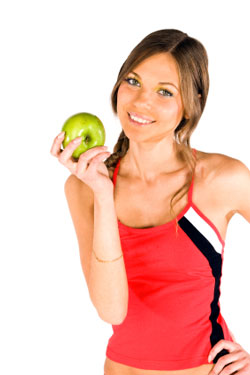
x: 147, y: 161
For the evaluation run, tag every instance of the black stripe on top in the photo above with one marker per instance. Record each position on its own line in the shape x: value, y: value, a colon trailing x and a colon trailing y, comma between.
x: 215, y: 261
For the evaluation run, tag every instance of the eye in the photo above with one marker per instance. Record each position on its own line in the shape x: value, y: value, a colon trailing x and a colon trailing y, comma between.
x: 131, y: 79
x: 166, y: 91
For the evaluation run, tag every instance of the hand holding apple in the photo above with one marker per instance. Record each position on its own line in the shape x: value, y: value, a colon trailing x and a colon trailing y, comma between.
x: 89, y: 167
x: 87, y: 126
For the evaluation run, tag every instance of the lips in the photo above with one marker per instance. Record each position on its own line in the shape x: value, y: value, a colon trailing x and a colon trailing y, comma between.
x: 141, y: 116
x: 140, y: 124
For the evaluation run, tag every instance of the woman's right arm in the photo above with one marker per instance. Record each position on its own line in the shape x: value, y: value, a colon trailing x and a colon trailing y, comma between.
x: 89, y: 193
x: 95, y: 223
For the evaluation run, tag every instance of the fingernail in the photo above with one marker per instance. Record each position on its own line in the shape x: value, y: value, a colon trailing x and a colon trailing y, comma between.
x: 77, y: 140
x: 209, y: 358
x: 61, y: 135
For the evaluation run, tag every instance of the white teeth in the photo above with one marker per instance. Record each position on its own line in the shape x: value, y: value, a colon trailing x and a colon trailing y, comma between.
x: 139, y: 120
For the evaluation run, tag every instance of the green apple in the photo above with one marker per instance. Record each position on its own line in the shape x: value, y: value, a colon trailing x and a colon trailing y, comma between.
x: 86, y: 125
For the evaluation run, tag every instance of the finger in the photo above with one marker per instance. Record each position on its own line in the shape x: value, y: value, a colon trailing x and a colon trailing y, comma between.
x: 86, y: 156
x: 233, y: 368
x: 222, y: 344
x: 84, y: 161
x: 93, y: 151
x: 66, y: 154
x: 56, y: 146
x: 100, y: 158
x: 227, y: 361
x: 244, y: 371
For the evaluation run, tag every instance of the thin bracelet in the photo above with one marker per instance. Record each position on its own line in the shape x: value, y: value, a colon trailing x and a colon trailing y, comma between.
x: 105, y: 261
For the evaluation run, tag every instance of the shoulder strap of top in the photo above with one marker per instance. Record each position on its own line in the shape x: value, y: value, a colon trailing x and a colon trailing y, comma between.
x: 116, y: 171
x: 190, y: 191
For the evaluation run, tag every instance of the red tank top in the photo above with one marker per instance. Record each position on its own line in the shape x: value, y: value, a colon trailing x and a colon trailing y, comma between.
x: 173, y: 318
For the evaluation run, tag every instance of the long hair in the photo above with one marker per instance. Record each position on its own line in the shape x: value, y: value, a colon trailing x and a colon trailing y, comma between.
x: 192, y: 63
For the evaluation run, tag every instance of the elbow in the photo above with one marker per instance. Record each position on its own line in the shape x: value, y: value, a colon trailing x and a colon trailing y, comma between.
x: 116, y: 319
x: 114, y: 312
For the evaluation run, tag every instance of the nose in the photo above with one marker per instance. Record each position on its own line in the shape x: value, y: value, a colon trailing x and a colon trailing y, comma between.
x: 143, y: 100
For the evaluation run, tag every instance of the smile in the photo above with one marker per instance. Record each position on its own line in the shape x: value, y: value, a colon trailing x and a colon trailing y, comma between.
x: 138, y: 120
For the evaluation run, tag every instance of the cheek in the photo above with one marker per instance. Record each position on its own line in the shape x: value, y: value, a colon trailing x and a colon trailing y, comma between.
x: 124, y: 99
x: 121, y: 97
x: 171, y: 108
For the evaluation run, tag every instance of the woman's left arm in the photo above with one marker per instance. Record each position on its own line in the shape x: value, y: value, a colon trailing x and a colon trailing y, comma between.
x: 238, y: 360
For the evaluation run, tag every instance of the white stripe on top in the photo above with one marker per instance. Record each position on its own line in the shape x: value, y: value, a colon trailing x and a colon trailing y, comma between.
x: 204, y: 228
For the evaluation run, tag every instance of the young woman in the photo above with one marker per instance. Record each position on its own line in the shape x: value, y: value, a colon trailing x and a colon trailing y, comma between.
x: 151, y: 220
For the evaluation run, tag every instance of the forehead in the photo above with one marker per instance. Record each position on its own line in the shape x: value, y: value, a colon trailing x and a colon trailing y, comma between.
x: 161, y: 66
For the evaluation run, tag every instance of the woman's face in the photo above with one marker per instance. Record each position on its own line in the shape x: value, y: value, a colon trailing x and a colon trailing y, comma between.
x: 152, y: 91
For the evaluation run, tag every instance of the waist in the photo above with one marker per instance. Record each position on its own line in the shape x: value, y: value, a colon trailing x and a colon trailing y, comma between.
x: 115, y: 368
x: 149, y: 341
x: 146, y: 342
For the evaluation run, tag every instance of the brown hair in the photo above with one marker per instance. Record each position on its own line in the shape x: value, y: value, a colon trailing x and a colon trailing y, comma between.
x: 192, y: 62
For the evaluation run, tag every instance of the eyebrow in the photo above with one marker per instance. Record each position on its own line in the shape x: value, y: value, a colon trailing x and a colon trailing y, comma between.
x: 161, y: 83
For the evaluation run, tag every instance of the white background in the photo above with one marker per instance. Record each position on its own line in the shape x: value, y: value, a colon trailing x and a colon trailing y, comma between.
x: 59, y: 58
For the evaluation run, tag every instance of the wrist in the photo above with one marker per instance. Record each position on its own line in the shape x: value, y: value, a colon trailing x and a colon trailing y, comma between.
x: 106, y: 197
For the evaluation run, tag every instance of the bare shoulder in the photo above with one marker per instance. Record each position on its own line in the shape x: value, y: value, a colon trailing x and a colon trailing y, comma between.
x: 228, y: 178
x: 220, y: 166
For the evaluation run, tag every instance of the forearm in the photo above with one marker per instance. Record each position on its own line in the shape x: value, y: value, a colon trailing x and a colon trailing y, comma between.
x: 107, y: 281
